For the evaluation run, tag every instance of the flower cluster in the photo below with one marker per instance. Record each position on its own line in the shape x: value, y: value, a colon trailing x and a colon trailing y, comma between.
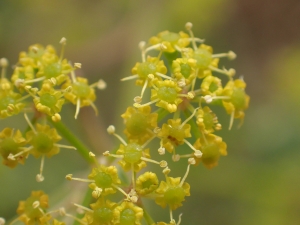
x: 184, y: 83
x: 41, y: 84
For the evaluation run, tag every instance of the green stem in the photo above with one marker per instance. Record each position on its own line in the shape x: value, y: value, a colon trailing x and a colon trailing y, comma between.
x: 148, y: 218
x: 73, y: 140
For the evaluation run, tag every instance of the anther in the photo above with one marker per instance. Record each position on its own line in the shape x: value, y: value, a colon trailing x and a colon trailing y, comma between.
x: 111, y: 129
x: 188, y: 26
x: 101, y: 85
x: 39, y: 178
x: 198, y: 154
x: 3, y: 62
x: 91, y: 154
x: 77, y: 65
x: 163, y: 163
x: 142, y: 45
x: 231, y: 55
x: 63, y: 41
x: 69, y: 176
x: 161, y: 151
x: 137, y: 99
x: 176, y: 158
x: 192, y: 161
x: 106, y: 153
x: 62, y: 211
x: 35, y: 204
x: 166, y: 171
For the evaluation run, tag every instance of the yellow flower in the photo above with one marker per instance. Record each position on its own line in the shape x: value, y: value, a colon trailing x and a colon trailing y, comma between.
x: 212, y: 86
x: 172, y: 193
x: 172, y: 41
x: 9, y: 101
x: 212, y: 147
x: 43, y: 141
x: 146, y: 183
x: 102, y: 213
x: 82, y: 94
x: 174, y: 133
x: 50, y: 101
x: 32, y: 211
x: 34, y: 55
x: 11, y: 142
x: 132, y: 156
x: 151, y: 66
x: 167, y: 95
x: 22, y: 75
x: 184, y: 68
x: 207, y: 120
x: 104, y: 178
x: 139, y: 123
x: 237, y: 101
x: 205, y: 61
x: 127, y: 214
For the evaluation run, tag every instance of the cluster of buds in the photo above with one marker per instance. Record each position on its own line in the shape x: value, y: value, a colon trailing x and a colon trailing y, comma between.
x: 185, y: 83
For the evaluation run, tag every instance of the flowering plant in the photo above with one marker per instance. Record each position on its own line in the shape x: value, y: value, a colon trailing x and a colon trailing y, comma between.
x: 184, y: 82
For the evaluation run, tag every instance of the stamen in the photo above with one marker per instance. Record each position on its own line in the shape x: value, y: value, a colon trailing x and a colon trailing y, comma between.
x: 3, y: 64
x: 130, y: 77
x: 29, y: 123
x: 185, y: 175
x: 189, y: 26
x: 179, y: 219
x: 189, y: 118
x: 97, y: 192
x: 142, y: 45
x: 132, y: 176
x: 190, y: 145
x: 230, y: 72
x: 171, y: 216
x: 63, y: 42
x: 83, y: 208
x: 70, y: 177
x: 111, y: 130
x: 13, y: 157
x: 137, y: 105
x: 152, y: 47
x: 77, y: 65
x: 231, y: 55
x: 77, y: 108
x: 164, y: 76
x: 148, y: 141
x: 122, y: 191
x: 39, y: 177
x: 94, y: 107
x: 65, y: 146
x: 231, y: 120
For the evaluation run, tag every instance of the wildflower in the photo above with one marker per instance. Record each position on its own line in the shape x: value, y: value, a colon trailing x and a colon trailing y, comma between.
x: 139, y: 123
x: 32, y: 210
x: 104, y: 179
x: 127, y: 214
x: 207, y: 120
x: 212, y: 147
x: 81, y: 93
x: 12, y: 142
x: 184, y: 69
x: 43, y: 140
x: 101, y: 212
x: 133, y: 156
x: 146, y: 183
x: 237, y: 100
x: 172, y: 41
x: 211, y: 85
x: 50, y: 101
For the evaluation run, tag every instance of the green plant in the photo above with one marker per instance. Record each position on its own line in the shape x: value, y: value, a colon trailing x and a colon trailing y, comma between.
x: 183, y: 86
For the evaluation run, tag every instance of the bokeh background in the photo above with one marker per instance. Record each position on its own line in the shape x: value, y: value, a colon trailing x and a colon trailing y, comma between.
x: 258, y: 182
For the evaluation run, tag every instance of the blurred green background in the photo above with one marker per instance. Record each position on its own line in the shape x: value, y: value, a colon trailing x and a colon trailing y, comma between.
x: 258, y: 182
